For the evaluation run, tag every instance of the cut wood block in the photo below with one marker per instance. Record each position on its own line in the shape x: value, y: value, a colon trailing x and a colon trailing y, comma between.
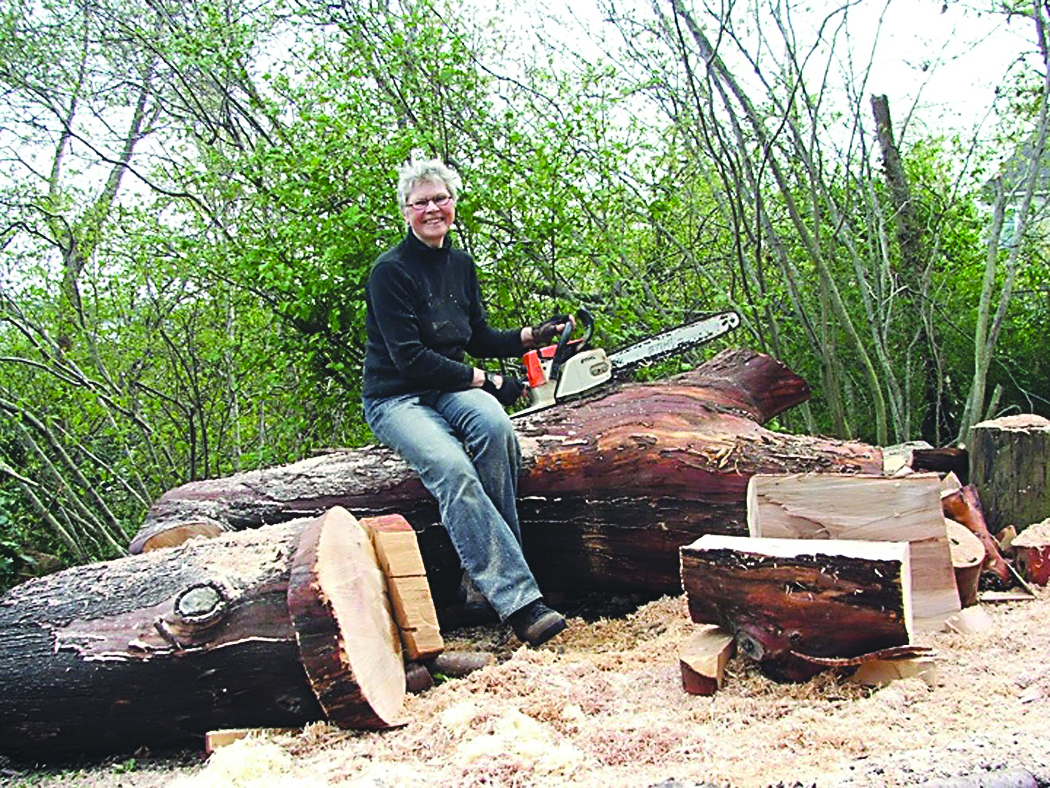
x: 398, y: 553
x: 964, y: 506
x: 347, y: 637
x: 967, y: 558
x: 969, y: 621
x: 213, y: 740
x: 880, y: 672
x: 1032, y: 551
x: 786, y: 600
x: 877, y: 508
x: 703, y: 657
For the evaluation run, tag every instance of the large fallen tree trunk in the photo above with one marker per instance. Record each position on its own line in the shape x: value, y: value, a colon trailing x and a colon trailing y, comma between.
x: 613, y: 484
x: 275, y: 627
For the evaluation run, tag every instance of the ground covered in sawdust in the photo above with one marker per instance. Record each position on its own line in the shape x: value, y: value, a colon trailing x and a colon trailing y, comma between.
x: 604, y: 707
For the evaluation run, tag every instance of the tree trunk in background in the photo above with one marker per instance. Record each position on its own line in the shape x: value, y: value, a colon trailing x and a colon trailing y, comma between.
x: 1010, y: 467
x: 911, y: 271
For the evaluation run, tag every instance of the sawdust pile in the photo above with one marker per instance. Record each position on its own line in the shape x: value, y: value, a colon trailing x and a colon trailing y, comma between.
x: 604, y: 708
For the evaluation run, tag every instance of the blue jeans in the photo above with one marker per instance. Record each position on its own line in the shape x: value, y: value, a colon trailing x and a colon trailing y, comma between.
x: 463, y: 446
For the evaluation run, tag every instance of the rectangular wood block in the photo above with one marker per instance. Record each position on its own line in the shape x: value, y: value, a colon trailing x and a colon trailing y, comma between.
x: 411, y: 603
x: 823, y: 598
x: 877, y: 508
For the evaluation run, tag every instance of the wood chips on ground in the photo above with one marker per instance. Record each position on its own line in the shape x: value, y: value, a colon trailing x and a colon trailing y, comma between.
x: 603, y: 707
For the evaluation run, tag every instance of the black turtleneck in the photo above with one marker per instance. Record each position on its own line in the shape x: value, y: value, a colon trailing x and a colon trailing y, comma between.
x: 424, y: 314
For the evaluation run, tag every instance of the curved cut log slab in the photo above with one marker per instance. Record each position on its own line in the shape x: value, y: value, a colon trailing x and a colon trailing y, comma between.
x: 347, y: 637
x: 157, y: 649
x: 613, y: 484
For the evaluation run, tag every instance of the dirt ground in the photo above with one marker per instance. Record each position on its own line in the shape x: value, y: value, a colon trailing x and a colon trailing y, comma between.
x: 603, y: 707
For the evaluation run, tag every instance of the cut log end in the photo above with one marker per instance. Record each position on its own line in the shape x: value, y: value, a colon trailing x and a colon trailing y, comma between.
x: 349, y: 642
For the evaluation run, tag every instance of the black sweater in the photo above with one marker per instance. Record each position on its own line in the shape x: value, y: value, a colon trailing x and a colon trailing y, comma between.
x: 424, y: 314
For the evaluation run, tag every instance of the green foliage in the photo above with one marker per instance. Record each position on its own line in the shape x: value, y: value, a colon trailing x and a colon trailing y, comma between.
x: 184, y: 260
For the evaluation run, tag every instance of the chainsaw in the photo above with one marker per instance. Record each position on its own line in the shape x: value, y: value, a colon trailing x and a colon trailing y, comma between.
x: 571, y: 367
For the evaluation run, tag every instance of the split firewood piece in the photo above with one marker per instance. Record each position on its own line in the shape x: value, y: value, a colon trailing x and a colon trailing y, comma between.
x: 702, y: 659
x: 877, y: 508
x: 397, y: 549
x: 880, y: 672
x: 350, y: 646
x: 967, y: 559
x: 1032, y: 551
x: 964, y: 506
x: 791, y: 603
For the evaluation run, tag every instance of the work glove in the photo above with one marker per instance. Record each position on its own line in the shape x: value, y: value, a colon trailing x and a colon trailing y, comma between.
x: 545, y: 332
x: 508, y: 392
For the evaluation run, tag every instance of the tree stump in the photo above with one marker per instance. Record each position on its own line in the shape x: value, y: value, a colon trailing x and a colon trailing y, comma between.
x: 1010, y: 466
x: 158, y: 649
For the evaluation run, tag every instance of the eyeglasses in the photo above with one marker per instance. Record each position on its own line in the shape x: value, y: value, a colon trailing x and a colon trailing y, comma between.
x: 440, y: 201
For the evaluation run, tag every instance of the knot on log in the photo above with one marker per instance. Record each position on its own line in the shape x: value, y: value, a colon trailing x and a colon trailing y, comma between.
x: 198, y: 610
x: 202, y: 605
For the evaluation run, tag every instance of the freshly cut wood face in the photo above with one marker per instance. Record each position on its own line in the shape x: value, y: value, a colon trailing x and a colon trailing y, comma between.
x: 703, y: 657
x: 877, y: 508
x: 349, y: 642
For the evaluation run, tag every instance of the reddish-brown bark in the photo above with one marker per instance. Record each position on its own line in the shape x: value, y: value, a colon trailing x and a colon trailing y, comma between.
x: 613, y: 483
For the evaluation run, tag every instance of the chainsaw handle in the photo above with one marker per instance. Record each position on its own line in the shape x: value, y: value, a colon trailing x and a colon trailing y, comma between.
x: 563, y: 351
x: 583, y: 318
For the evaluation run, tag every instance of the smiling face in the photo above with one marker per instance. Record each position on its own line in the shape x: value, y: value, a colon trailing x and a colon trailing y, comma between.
x: 429, y: 211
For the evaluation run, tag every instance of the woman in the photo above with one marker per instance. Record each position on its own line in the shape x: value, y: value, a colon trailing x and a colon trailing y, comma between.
x: 442, y: 415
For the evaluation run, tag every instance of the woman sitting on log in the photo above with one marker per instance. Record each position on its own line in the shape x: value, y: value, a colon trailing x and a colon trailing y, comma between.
x: 442, y: 415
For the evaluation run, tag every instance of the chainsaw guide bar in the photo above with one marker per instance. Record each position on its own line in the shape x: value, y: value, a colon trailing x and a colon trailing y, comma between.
x: 673, y: 340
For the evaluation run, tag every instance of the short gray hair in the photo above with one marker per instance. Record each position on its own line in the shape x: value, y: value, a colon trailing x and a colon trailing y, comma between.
x: 416, y: 172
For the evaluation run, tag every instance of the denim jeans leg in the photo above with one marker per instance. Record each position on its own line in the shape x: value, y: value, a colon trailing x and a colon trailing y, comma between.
x: 489, y: 546
x: 491, y: 444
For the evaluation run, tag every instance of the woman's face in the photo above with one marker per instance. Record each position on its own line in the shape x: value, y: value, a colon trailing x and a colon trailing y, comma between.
x: 430, y: 211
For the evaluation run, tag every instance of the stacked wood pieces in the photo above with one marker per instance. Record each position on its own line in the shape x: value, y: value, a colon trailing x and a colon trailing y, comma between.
x: 835, y: 506
x: 399, y: 557
x: 963, y: 505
